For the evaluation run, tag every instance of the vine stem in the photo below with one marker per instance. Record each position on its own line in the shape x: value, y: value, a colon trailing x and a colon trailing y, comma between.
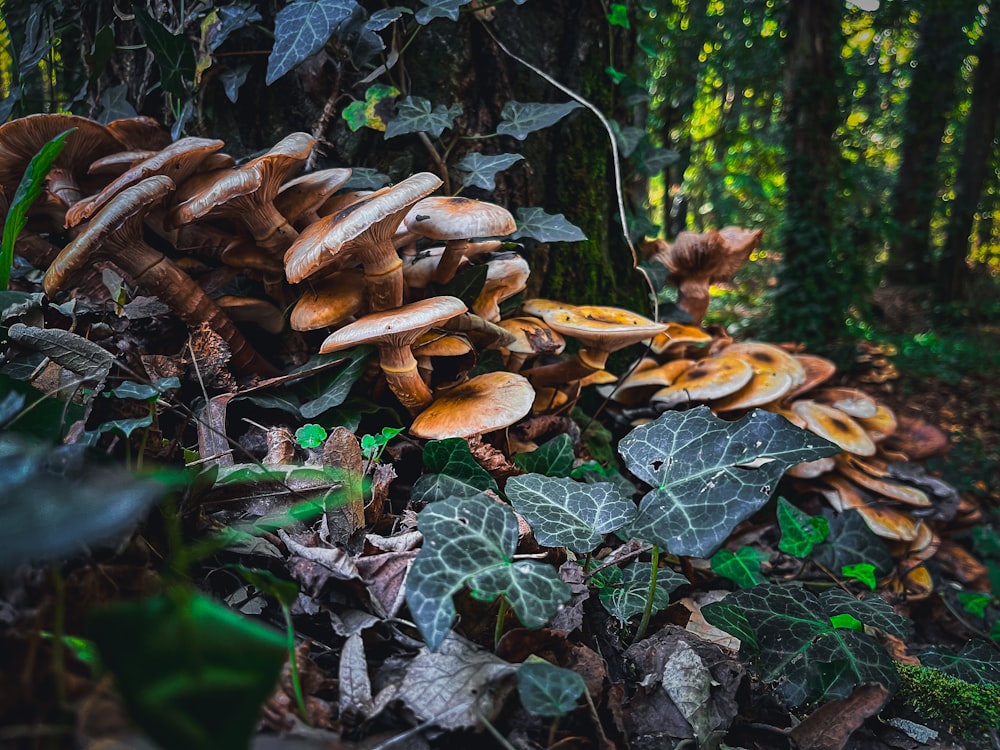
x: 293, y: 666
x: 615, y: 157
x: 501, y: 616
x: 648, y: 611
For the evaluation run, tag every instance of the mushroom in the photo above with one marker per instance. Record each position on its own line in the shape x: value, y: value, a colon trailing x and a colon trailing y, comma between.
x: 331, y: 301
x: 115, y: 234
x: 506, y: 275
x: 678, y: 335
x: 139, y: 132
x: 393, y: 332
x: 600, y: 331
x: 457, y: 220
x: 482, y: 404
x: 817, y: 369
x: 299, y: 199
x: 834, y: 425
x: 364, y: 229
x: 531, y: 338
x: 695, y: 261
x: 178, y: 161
x: 708, y: 379
x: 246, y: 193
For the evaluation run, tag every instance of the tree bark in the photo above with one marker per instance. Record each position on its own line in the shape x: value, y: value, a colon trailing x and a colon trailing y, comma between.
x: 808, y: 306
x: 954, y: 274
x: 938, y: 57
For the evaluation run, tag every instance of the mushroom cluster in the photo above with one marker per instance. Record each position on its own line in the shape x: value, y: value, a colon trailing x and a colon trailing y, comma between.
x: 363, y: 268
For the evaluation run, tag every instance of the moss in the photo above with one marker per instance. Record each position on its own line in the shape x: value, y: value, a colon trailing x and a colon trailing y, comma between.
x: 968, y: 709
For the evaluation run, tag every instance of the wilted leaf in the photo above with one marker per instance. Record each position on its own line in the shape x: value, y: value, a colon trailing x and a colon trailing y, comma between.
x: 439, y: 9
x: 553, y: 458
x: 708, y: 474
x: 535, y: 224
x: 479, y: 170
x: 301, y: 29
x: 741, y: 567
x: 192, y: 673
x: 371, y: 113
x: 800, y: 532
x: 471, y: 541
x: 173, y: 53
x: 624, y: 591
x: 548, y: 690
x: 415, y: 114
x: 566, y: 513
x: 797, y: 644
x: 520, y: 118
x: 66, y: 349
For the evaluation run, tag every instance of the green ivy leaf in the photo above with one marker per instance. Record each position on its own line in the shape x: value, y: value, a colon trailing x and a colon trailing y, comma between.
x: 144, y: 391
x: 847, y: 622
x: 977, y: 663
x: 125, y: 427
x: 535, y: 224
x: 800, y: 532
x: 479, y: 170
x: 623, y: 591
x: 310, y: 435
x: 301, y: 29
x: 567, y: 513
x: 851, y: 542
x: 439, y: 9
x: 369, y: 113
x: 192, y: 673
x: 173, y: 53
x: 741, y: 567
x: 548, y: 690
x: 451, y: 472
x: 31, y: 186
x: 329, y: 391
x: 708, y: 474
x: 466, y: 285
x: 872, y: 610
x: 518, y: 119
x: 416, y: 115
x: 862, y: 572
x: 553, y: 458
x: 618, y: 15
x: 797, y: 645
x: 470, y: 542
x: 974, y: 602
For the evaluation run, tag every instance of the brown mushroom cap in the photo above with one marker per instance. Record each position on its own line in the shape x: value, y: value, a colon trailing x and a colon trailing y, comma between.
x: 365, y: 228
x: 677, y: 335
x: 884, y: 520
x: 600, y: 330
x: 768, y: 359
x: 531, y: 337
x: 763, y: 388
x: 834, y: 425
x: 299, y: 199
x: 881, y: 425
x: 817, y: 369
x: 483, y: 404
x: 881, y: 485
x: 330, y: 302
x: 506, y: 275
x: 707, y: 379
x: 857, y: 404
x: 393, y: 332
x: 139, y: 132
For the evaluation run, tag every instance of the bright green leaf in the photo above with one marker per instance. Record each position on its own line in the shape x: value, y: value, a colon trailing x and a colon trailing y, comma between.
x: 741, y: 567
x: 371, y: 113
x: 618, y: 15
x: 861, y: 572
x: 800, y: 532
x: 849, y: 622
x: 310, y: 435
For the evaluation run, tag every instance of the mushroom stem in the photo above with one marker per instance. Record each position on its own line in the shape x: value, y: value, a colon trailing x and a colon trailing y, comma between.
x: 403, y: 377
x: 270, y: 229
x: 564, y: 372
x: 385, y: 281
x: 451, y: 259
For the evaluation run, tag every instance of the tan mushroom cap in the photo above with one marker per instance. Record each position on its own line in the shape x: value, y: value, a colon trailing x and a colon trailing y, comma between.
x: 884, y: 520
x: 647, y: 376
x: 881, y: 425
x: 506, y: 275
x: 882, y: 485
x: 419, y: 267
x: 393, y: 332
x: 709, y: 378
x: 601, y: 330
x: 441, y: 344
x: 768, y: 359
x: 549, y: 400
x: 852, y: 401
x: 250, y: 310
x: 763, y: 388
x: 531, y: 338
x: 835, y: 426
x: 812, y: 469
x: 677, y: 335
x: 483, y: 404
x: 300, y: 199
x: 178, y: 161
x: 817, y: 369
x: 538, y: 306
x: 330, y: 301
x: 458, y: 218
x: 599, y: 377
x: 365, y: 228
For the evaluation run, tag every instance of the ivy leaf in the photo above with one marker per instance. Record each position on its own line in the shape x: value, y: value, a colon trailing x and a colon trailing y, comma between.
x: 301, y: 29
x: 741, y: 567
x: 173, y: 53
x: 470, y: 542
x: 466, y: 285
x: 862, y: 572
x: 851, y: 542
x: 800, y: 532
x: 28, y: 189
x: 520, y: 118
x: 439, y: 9
x: 415, y: 115
x: 481, y: 171
x: 329, y: 392
x: 65, y: 348
x: 224, y: 21
x: 872, y: 610
x: 536, y: 224
x: 232, y: 79
x: 451, y: 472
x: 977, y: 663
x: 797, y: 645
x: 566, y: 513
x: 125, y: 427
x: 366, y: 178
x: 553, y: 458
x: 623, y: 592
x: 628, y: 138
x: 369, y: 113
x: 618, y: 15
x: 708, y: 474
x: 548, y: 690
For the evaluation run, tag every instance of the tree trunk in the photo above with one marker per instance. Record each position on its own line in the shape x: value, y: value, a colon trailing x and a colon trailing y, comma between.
x: 809, y: 304
x: 954, y: 275
x: 938, y: 57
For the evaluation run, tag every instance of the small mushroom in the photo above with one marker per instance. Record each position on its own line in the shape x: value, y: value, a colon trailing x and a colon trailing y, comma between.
x: 364, y: 230
x: 506, y: 275
x: 482, y: 404
x: 708, y: 379
x: 115, y: 234
x: 330, y: 302
x: 393, y: 332
x: 298, y: 200
x: 531, y: 338
x: 834, y: 425
x: 457, y: 220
